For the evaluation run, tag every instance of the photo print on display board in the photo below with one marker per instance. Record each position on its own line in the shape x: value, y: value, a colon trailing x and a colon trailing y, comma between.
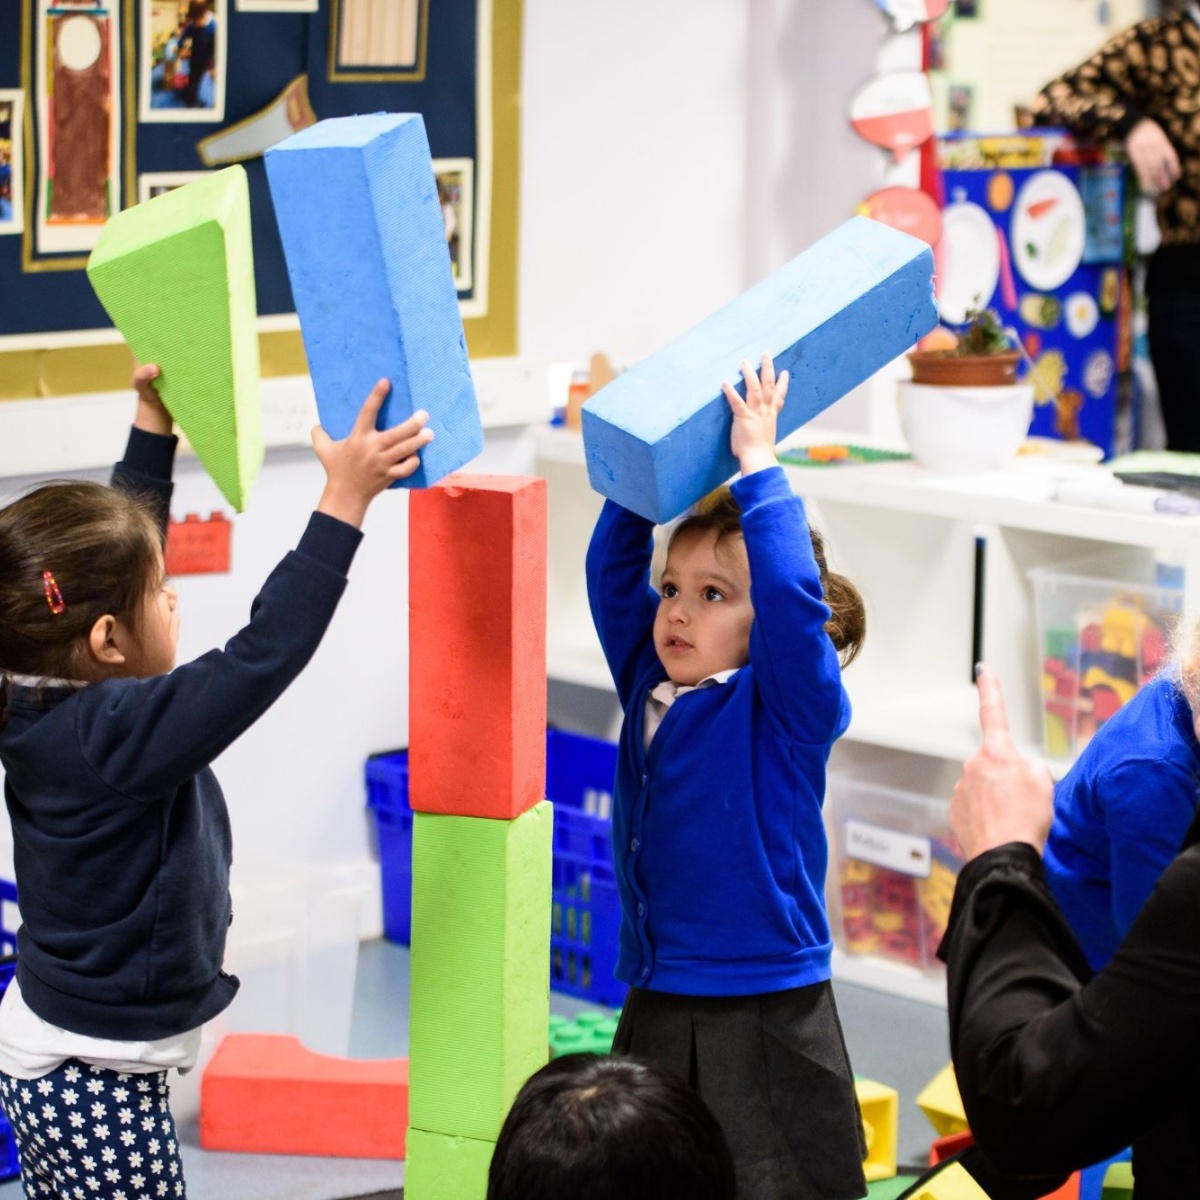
x: 276, y: 5
x: 12, y: 160
x: 378, y: 40
x: 182, y: 51
x: 158, y: 183
x: 456, y: 188
x: 79, y: 114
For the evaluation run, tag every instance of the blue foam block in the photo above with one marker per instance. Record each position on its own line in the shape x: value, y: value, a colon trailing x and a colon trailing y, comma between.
x: 357, y: 206
x: 656, y: 439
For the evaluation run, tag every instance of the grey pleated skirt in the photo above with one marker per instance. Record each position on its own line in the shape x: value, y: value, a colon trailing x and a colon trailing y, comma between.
x: 775, y: 1072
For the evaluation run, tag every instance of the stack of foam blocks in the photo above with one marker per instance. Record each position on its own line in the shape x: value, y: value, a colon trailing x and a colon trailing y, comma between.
x: 479, y: 1005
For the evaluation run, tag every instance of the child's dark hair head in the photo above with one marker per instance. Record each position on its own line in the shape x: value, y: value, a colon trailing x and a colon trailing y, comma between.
x: 81, y: 548
x: 593, y: 1127
x: 847, y: 624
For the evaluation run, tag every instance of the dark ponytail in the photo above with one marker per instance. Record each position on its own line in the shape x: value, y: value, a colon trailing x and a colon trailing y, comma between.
x: 847, y: 624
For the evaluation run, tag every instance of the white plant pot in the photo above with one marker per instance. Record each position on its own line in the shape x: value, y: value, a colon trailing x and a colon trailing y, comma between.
x: 964, y: 429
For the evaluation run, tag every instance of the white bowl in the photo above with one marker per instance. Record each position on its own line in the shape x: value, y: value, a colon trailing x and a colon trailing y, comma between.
x: 965, y: 428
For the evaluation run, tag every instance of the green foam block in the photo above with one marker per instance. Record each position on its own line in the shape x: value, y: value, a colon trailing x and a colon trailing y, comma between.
x: 479, y: 1002
x: 176, y: 274
x: 441, y: 1167
x: 1118, y: 1182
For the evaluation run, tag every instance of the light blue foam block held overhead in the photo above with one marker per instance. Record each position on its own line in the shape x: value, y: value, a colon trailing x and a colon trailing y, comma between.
x: 656, y: 439
x: 365, y: 243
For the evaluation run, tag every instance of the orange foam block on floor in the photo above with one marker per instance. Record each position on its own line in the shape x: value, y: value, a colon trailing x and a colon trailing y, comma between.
x: 266, y: 1094
x: 477, y: 646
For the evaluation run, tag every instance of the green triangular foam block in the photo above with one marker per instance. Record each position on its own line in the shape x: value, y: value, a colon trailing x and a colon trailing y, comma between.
x: 176, y: 274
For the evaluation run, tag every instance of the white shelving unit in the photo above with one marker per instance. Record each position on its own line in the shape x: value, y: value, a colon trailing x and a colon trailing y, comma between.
x: 907, y: 538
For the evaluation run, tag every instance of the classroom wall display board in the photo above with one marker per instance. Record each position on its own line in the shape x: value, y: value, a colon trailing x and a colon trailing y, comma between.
x: 107, y: 103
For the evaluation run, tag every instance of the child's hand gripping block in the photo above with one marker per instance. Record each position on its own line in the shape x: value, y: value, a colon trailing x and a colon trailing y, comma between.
x: 656, y: 439
x: 365, y: 242
x: 203, y: 335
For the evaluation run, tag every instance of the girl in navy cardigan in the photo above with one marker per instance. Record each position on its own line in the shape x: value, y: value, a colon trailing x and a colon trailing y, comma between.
x: 731, y: 686
x: 120, y: 831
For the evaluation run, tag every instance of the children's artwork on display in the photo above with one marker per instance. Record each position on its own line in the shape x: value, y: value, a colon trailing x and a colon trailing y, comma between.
x: 78, y: 122
x: 907, y: 13
x: 966, y: 9
x: 12, y: 160
x: 158, y: 183
x: 910, y: 210
x: 455, y: 186
x: 959, y: 98
x: 181, y: 60
x: 378, y: 40
x: 276, y: 5
x: 252, y: 137
x: 894, y: 110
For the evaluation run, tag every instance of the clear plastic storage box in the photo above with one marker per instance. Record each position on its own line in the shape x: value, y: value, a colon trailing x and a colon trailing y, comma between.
x: 1104, y: 628
x: 892, y: 861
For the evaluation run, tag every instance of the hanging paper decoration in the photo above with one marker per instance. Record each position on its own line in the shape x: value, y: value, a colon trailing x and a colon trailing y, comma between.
x: 907, y: 13
x: 907, y: 209
x: 894, y: 110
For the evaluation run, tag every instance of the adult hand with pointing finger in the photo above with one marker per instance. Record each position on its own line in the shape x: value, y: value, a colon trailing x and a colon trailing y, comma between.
x: 1001, y: 796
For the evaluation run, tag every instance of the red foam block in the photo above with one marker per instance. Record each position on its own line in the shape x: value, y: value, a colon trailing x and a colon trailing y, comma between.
x: 265, y: 1093
x: 477, y: 646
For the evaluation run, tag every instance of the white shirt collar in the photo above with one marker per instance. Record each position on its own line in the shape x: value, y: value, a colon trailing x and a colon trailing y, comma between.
x: 666, y: 693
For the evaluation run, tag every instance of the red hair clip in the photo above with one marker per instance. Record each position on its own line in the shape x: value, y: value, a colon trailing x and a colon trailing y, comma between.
x: 54, y: 597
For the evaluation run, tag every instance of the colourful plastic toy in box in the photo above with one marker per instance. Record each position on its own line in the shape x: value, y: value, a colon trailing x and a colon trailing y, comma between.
x: 1099, y: 641
x: 895, y: 915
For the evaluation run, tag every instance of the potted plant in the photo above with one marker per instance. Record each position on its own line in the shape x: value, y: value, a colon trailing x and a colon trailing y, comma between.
x: 981, y: 354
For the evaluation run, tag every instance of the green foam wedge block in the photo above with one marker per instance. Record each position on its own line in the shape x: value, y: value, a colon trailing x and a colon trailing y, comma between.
x: 479, y: 1002
x: 439, y: 1166
x: 176, y: 275
x: 1118, y: 1182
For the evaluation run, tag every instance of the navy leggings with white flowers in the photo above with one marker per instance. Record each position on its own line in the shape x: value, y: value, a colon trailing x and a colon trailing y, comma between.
x: 87, y: 1133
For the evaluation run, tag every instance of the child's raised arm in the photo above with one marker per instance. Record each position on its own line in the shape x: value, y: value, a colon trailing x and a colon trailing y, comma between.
x: 151, y: 414
x: 754, y: 418
x: 367, y: 460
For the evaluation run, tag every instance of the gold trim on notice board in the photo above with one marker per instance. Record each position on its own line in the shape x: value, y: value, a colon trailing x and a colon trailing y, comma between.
x: 415, y: 74
x: 105, y: 367
x: 29, y: 264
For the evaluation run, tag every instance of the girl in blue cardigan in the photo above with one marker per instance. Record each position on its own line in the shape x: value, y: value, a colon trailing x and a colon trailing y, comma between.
x: 731, y: 686
x: 121, y: 837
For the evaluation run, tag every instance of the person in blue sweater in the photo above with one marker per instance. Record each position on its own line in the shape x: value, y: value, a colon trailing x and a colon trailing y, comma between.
x: 121, y: 834
x: 1121, y: 812
x: 730, y: 682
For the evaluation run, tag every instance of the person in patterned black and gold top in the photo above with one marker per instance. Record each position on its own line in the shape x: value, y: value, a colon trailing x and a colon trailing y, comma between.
x: 1143, y: 87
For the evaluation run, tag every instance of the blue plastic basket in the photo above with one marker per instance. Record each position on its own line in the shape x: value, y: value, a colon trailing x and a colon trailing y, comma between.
x: 586, y: 912
x: 387, y: 798
x: 586, y: 909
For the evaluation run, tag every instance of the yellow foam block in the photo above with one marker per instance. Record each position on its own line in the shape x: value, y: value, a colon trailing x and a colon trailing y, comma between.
x: 940, y: 1102
x: 954, y: 1183
x: 176, y: 275
x: 880, y: 1107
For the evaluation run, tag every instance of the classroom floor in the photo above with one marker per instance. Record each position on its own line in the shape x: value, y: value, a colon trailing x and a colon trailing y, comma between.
x: 898, y: 1042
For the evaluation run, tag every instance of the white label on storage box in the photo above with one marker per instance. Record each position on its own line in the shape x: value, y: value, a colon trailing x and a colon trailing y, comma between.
x: 887, y: 848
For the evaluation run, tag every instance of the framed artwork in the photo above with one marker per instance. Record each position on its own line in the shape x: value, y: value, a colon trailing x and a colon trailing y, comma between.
x: 456, y: 194
x: 155, y: 183
x: 277, y: 5
x: 12, y: 160
x: 378, y: 40
x: 78, y: 128
x: 181, y: 54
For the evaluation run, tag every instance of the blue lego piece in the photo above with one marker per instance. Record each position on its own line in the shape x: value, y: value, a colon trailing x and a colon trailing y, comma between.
x: 656, y: 439
x: 363, y: 234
